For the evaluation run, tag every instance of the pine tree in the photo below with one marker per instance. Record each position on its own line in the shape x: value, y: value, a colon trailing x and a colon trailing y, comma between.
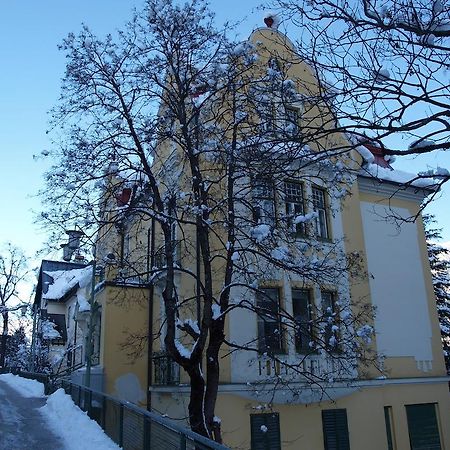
x: 440, y: 267
x: 17, y: 350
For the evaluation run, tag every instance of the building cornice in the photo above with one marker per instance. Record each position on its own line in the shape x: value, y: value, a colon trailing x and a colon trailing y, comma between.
x: 389, y: 189
x: 277, y: 394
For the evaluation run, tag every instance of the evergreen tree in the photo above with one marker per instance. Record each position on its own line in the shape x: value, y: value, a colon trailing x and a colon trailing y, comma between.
x: 17, y: 350
x: 440, y: 267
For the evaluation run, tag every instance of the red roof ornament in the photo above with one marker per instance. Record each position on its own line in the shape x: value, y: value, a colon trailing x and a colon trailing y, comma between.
x: 123, y: 197
x: 378, y: 154
x: 269, y: 21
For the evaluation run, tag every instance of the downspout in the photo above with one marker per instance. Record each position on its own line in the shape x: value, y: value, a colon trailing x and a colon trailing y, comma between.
x: 150, y: 265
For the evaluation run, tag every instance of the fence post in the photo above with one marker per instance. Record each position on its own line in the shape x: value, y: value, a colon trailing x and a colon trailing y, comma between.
x: 104, y: 413
x: 147, y: 433
x: 182, y: 442
x: 121, y: 425
x: 89, y: 406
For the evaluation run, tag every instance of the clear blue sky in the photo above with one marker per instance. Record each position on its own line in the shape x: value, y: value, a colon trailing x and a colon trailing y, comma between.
x: 31, y: 69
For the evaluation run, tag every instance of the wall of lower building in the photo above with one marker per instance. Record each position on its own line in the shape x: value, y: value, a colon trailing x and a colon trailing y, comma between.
x: 123, y: 355
x: 406, y: 322
x: 301, y: 425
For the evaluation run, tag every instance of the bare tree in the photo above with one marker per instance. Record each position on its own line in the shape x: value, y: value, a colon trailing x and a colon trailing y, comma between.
x: 13, y: 272
x: 384, y: 69
x: 170, y: 129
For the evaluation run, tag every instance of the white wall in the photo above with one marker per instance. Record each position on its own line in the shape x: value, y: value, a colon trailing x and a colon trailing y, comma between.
x: 396, y: 276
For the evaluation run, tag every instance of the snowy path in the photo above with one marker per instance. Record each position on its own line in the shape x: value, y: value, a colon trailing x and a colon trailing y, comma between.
x: 21, y: 424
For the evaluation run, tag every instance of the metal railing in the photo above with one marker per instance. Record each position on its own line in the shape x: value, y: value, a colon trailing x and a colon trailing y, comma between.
x: 166, y: 370
x: 134, y: 428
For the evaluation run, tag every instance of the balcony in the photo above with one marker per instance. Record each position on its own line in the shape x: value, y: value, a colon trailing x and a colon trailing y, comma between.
x: 166, y: 372
x: 315, y: 365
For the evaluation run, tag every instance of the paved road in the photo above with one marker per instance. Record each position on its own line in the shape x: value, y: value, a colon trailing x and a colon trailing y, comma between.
x: 22, y: 427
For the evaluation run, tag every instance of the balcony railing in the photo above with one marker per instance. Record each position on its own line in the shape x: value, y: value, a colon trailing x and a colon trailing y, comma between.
x: 315, y: 365
x: 166, y: 370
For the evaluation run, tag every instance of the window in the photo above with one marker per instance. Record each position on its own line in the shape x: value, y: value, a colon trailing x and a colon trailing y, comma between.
x: 263, y: 201
x: 270, y: 337
x: 335, y: 429
x: 389, y: 428
x: 291, y: 121
x: 295, y: 206
x: 265, y: 431
x: 301, y: 305
x: 319, y: 206
x: 423, y: 427
x: 60, y: 326
x: 330, y: 336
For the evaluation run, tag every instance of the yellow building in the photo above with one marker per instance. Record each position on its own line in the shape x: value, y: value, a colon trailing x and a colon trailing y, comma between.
x: 283, y: 393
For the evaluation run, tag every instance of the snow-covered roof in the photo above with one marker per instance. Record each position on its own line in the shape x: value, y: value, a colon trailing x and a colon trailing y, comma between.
x: 65, y: 280
x: 377, y: 165
x: 399, y: 177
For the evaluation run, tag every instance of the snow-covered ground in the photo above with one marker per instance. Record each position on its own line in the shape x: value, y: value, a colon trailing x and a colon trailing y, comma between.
x: 26, y: 388
x: 63, y: 417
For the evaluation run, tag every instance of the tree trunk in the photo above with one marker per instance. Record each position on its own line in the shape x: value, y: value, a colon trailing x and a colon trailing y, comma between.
x: 213, y: 375
x: 197, y: 419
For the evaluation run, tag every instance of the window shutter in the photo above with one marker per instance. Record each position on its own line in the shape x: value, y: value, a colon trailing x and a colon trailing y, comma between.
x: 265, y: 431
x: 335, y: 429
x: 423, y: 427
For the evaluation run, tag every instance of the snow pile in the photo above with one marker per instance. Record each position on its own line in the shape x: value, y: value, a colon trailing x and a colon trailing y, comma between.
x: 437, y: 172
x: 397, y: 176
x: 280, y: 253
x: 365, y: 153
x: 260, y: 232
x: 306, y: 218
x: 49, y: 331
x: 26, y: 388
x: 83, y: 303
x: 82, y: 433
x: 365, y: 333
x: 65, y: 280
x: 184, y: 352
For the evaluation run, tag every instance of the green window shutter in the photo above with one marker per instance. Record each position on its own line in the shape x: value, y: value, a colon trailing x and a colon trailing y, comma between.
x: 335, y: 429
x: 265, y: 431
x: 389, y: 429
x: 423, y: 427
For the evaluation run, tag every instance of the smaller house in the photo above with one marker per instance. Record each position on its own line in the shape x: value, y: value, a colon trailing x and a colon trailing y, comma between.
x: 61, y: 312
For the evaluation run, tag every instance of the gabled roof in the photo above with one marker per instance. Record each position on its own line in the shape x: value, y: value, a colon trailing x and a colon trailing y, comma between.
x: 68, y: 274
